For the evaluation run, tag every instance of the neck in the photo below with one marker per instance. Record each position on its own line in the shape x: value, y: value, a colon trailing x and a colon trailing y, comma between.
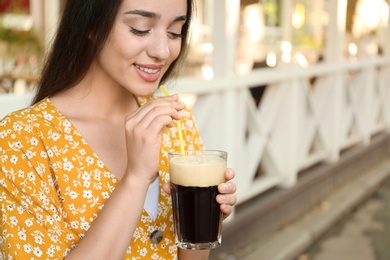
x: 96, y: 98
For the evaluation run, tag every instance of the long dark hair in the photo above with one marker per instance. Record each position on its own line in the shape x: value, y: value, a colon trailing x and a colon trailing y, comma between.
x: 73, y: 50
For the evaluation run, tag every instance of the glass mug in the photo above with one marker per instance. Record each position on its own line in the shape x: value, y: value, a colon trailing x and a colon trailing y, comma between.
x: 194, y: 179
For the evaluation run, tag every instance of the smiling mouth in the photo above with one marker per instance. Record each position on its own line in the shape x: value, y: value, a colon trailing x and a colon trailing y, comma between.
x: 147, y: 70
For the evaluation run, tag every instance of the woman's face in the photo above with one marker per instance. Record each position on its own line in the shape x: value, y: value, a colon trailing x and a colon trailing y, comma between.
x: 144, y: 41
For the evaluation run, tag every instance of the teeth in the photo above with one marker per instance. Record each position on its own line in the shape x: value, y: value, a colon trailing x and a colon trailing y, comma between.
x: 147, y: 70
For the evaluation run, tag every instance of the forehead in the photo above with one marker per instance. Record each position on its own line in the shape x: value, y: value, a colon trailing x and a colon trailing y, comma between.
x: 163, y: 7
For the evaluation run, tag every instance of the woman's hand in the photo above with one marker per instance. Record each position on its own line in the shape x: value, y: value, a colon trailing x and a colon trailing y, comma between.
x: 144, y: 129
x: 227, y: 197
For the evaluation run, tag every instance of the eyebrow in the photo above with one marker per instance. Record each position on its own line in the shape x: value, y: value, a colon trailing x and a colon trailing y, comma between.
x: 153, y: 15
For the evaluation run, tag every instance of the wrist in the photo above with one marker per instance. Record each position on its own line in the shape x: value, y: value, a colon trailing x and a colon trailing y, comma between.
x: 136, y: 180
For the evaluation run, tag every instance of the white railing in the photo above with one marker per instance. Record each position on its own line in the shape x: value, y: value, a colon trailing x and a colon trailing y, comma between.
x: 305, y: 116
x: 12, y: 102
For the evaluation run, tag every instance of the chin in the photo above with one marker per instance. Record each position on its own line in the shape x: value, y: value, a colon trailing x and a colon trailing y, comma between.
x: 142, y: 88
x: 147, y: 92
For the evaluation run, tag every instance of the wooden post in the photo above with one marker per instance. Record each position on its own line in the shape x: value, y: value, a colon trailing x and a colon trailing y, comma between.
x: 224, y: 31
x: 51, y: 10
x: 334, y: 53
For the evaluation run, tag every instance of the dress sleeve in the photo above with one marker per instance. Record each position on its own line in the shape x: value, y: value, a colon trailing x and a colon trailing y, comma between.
x: 191, y: 135
x: 32, y: 221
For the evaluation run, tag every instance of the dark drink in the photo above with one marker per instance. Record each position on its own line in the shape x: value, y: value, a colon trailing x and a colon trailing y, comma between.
x: 194, y: 186
x: 197, y: 213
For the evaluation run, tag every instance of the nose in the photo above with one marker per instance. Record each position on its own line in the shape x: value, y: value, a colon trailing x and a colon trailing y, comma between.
x: 159, y: 46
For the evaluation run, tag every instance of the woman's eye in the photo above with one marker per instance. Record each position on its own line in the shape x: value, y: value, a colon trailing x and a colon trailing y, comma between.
x: 139, y: 32
x: 176, y: 35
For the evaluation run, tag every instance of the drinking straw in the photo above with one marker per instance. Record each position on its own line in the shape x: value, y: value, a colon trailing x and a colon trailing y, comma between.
x: 166, y: 93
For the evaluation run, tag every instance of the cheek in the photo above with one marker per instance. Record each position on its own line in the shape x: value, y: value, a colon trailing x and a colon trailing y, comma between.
x: 175, y: 51
x: 122, y: 45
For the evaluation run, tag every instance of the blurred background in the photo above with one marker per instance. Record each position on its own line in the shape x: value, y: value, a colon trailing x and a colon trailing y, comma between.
x: 297, y: 92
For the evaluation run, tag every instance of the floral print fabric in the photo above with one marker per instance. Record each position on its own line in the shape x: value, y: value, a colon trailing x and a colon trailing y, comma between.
x: 53, y: 186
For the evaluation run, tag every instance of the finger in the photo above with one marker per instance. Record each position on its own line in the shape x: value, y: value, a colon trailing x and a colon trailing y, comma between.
x: 158, y: 123
x: 153, y: 118
x: 166, y: 188
x: 230, y: 199
x: 169, y: 97
x: 229, y: 174
x: 145, y: 109
x: 169, y: 100
x: 227, y: 188
x: 162, y: 108
x: 226, y: 210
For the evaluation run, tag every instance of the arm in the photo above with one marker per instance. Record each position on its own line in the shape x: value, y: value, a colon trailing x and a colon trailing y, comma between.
x: 34, y: 221
x: 32, y: 218
x: 28, y: 227
x: 111, y: 233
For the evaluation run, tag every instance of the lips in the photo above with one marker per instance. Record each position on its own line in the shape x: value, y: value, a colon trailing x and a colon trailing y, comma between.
x: 147, y: 70
x: 149, y: 73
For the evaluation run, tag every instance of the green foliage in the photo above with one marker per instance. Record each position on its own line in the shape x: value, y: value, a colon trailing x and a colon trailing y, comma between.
x: 20, y: 39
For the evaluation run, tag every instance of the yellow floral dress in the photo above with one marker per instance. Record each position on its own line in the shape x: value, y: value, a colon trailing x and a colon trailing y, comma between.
x: 53, y: 186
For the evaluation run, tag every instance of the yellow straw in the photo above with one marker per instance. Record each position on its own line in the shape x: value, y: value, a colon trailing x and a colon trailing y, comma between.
x: 166, y: 93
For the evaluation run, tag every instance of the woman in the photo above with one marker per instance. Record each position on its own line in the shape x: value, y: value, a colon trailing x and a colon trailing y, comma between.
x: 95, y: 137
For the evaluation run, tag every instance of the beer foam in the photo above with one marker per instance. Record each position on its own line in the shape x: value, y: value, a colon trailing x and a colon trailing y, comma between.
x: 199, y: 171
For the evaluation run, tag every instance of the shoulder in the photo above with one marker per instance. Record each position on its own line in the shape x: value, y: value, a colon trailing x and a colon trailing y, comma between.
x: 24, y: 121
x: 34, y: 110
